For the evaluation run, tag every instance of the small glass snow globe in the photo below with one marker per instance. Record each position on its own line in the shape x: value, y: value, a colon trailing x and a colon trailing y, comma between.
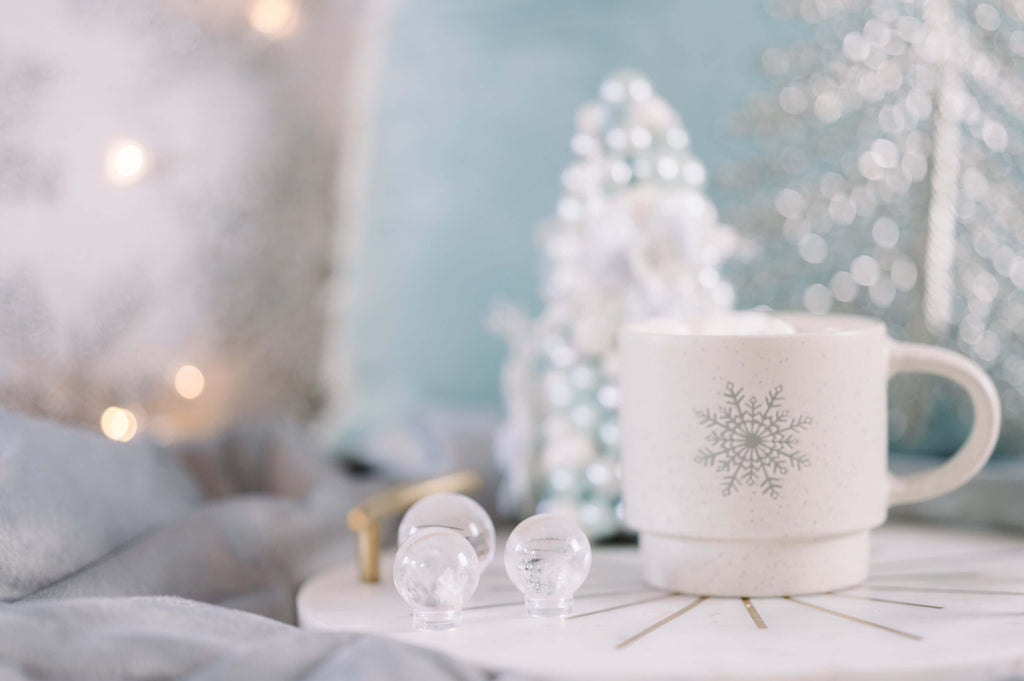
x: 436, y: 572
x: 547, y: 557
x: 456, y: 512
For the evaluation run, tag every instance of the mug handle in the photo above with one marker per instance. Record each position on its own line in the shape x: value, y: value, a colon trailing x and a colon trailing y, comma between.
x: 916, y: 358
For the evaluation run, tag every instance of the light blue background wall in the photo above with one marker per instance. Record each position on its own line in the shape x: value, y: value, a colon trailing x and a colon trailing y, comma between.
x: 472, y: 121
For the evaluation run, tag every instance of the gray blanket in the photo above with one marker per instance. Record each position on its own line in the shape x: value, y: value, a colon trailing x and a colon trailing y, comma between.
x: 131, y: 561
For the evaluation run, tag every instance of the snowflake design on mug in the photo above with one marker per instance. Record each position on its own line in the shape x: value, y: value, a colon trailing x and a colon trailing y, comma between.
x: 752, y: 441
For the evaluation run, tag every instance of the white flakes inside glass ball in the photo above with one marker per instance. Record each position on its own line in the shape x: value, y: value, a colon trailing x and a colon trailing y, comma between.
x: 454, y: 512
x: 436, y: 572
x: 547, y: 557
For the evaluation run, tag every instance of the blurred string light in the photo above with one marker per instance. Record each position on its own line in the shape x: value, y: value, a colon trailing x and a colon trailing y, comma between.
x: 276, y: 19
x: 127, y: 162
x: 189, y: 382
x: 119, y: 424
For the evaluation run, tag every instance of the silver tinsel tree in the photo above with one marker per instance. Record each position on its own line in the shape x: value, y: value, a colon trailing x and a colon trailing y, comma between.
x: 891, y: 178
x: 634, y: 236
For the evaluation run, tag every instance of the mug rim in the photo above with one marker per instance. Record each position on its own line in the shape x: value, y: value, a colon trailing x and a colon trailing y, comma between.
x: 807, y: 325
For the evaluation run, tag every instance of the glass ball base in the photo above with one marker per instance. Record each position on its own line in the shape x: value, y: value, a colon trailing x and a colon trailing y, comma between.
x: 548, y: 607
x: 436, y: 621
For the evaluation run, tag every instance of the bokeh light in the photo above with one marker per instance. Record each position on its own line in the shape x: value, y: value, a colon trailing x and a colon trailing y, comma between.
x: 119, y: 424
x: 127, y: 162
x: 189, y: 382
x: 276, y: 19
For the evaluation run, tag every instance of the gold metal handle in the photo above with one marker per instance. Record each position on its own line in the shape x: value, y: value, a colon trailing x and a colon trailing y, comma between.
x: 365, y: 518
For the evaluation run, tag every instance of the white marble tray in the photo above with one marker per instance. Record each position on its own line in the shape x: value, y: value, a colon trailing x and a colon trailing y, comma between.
x: 940, y: 604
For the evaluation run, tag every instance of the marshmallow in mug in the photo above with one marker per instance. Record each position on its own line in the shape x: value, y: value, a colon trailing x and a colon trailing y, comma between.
x: 739, y: 324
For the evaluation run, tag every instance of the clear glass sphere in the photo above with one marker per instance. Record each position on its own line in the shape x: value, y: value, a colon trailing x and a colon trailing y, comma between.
x: 547, y: 557
x: 436, y: 572
x: 455, y: 512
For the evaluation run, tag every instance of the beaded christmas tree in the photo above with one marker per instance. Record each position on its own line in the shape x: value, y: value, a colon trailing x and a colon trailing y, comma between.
x: 888, y: 184
x: 634, y: 236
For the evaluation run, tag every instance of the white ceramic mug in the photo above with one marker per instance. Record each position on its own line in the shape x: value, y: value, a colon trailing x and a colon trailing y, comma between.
x: 755, y: 448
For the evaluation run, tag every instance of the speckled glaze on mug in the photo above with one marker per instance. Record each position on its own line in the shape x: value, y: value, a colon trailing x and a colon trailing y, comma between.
x: 755, y: 464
